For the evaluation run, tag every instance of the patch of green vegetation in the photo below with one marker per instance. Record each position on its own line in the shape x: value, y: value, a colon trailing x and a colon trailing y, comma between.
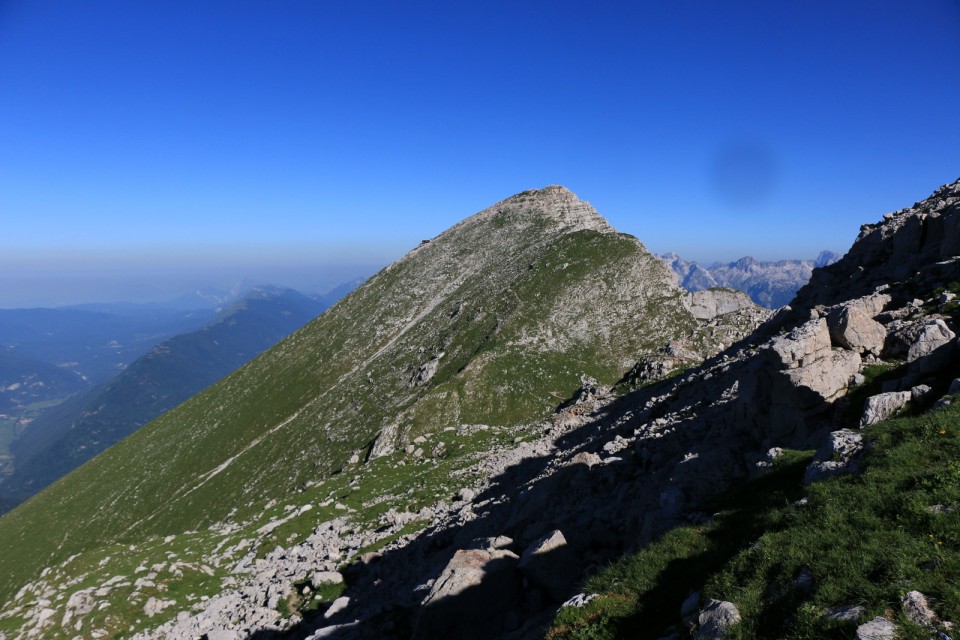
x: 640, y: 595
x: 863, y: 539
x: 874, y: 377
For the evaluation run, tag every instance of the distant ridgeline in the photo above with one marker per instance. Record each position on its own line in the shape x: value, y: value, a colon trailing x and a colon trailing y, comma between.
x: 60, y: 438
x: 769, y: 284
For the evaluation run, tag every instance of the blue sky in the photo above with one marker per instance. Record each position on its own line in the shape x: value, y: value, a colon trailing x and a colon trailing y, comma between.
x: 168, y: 141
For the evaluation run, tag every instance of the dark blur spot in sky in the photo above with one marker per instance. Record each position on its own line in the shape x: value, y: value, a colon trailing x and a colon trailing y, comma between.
x: 744, y: 174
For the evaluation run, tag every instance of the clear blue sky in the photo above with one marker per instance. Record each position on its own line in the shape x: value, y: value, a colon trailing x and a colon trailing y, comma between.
x: 195, y: 137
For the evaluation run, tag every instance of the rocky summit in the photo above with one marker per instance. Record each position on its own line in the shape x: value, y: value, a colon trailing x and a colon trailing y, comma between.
x: 381, y: 423
x: 521, y: 429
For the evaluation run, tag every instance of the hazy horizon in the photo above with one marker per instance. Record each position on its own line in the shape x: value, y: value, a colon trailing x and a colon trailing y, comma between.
x: 75, y: 282
x: 267, y: 138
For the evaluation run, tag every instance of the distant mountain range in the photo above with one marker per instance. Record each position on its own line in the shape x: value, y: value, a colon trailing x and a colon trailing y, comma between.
x: 65, y: 436
x: 769, y: 284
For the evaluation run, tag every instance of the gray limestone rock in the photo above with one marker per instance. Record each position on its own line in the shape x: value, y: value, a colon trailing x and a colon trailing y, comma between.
x: 932, y: 348
x: 471, y: 596
x: 837, y: 455
x: 326, y: 577
x: 804, y: 344
x: 336, y: 607
x: 851, y: 328
x: 716, y: 618
x: 877, y: 629
x: 706, y: 305
x: 880, y: 407
x: 156, y: 605
x: 919, y: 392
x: 550, y: 564
x: 933, y: 335
x: 580, y: 600
x: 917, y: 609
x: 848, y: 613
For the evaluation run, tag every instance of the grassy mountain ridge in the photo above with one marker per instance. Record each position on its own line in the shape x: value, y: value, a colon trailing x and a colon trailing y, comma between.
x: 536, y: 288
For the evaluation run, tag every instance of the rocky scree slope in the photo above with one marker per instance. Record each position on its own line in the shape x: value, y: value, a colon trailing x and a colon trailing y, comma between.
x: 492, y: 324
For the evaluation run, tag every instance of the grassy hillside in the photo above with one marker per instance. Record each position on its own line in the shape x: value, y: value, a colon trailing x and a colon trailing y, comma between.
x: 786, y: 554
x: 536, y: 289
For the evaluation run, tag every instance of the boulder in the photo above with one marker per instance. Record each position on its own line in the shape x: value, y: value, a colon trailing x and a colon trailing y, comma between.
x: 326, y: 577
x: 853, y: 329
x: 808, y: 342
x: 156, y: 605
x: 336, y: 607
x: 932, y: 347
x: 550, y: 564
x: 848, y: 613
x: 716, y: 618
x: 918, y: 611
x: 877, y: 629
x: 880, y: 407
x: 837, y: 455
x: 78, y: 605
x: 919, y: 392
x: 708, y: 304
x: 471, y: 596
x: 871, y: 305
x: 828, y: 375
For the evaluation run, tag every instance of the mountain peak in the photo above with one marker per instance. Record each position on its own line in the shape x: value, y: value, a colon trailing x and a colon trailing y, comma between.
x: 553, y: 203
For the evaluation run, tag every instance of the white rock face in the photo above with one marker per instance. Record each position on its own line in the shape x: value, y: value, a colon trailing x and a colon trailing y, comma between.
x: 801, y: 346
x: 156, y: 605
x: 326, y: 577
x: 489, y: 577
x: 338, y: 605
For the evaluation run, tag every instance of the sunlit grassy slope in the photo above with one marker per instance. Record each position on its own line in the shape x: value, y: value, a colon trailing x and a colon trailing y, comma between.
x: 513, y: 306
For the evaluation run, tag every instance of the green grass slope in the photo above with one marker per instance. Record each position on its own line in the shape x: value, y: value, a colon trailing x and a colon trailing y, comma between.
x: 862, y: 539
x: 537, y: 289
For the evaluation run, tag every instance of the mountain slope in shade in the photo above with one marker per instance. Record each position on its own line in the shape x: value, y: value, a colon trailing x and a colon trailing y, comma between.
x: 769, y: 284
x: 66, y: 436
